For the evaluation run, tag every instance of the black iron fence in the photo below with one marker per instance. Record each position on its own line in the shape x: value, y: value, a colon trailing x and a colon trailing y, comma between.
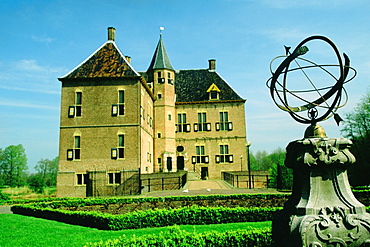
x: 257, y: 179
x: 163, y: 181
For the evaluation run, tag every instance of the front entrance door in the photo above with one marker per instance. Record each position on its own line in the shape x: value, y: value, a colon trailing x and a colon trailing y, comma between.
x: 180, y: 163
x: 204, y: 172
x: 169, y: 164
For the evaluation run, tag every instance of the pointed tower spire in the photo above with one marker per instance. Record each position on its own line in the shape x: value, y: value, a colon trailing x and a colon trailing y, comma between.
x: 160, y: 58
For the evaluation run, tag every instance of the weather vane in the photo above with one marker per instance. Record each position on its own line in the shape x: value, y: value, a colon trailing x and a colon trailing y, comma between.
x: 160, y: 30
x: 316, y: 104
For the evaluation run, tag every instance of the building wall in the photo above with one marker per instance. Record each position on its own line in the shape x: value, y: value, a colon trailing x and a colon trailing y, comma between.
x: 99, y: 132
x: 211, y: 140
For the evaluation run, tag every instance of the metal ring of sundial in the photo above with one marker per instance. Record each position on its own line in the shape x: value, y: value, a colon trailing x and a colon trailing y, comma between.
x: 333, y: 91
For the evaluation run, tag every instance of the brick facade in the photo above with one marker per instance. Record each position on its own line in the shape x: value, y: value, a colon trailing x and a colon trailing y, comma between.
x: 115, y: 120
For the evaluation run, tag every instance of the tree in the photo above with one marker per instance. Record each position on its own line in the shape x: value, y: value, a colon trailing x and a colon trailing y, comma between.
x: 281, y: 175
x: 357, y: 128
x: 260, y: 161
x: 13, y: 165
x: 36, y: 183
x: 47, y: 171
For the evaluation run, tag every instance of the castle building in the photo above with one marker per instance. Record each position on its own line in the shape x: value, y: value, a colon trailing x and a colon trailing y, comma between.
x: 115, y: 119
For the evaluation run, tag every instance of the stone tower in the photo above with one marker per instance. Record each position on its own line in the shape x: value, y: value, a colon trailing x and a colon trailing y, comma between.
x: 161, y: 77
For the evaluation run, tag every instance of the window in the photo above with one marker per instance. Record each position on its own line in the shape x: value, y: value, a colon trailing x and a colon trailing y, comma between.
x: 181, y: 125
x: 160, y: 79
x: 200, y: 156
x: 78, y: 104
x: 224, y: 123
x: 121, y: 144
x: 213, y: 95
x: 82, y: 178
x: 114, y: 177
x: 202, y: 124
x: 169, y: 117
x: 170, y: 80
x: 119, y: 151
x: 76, y: 110
x: 119, y: 108
x: 224, y: 155
x: 142, y: 112
x: 77, y: 147
x: 159, y: 96
x: 214, y: 92
x: 75, y: 153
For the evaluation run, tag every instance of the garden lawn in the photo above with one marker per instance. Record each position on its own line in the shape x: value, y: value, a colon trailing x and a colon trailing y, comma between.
x: 19, y: 230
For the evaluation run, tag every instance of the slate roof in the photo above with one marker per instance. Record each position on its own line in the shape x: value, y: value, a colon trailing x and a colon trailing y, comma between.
x: 192, y: 86
x: 160, y: 58
x: 107, y: 61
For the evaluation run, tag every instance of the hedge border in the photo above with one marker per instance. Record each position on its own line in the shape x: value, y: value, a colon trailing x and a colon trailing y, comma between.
x: 150, y: 218
x: 179, y: 238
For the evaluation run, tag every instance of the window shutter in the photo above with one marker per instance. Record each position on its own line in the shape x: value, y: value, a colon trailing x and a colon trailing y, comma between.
x: 114, y: 153
x: 195, y: 127
x: 230, y: 158
x: 193, y: 159
x: 230, y: 126
x: 206, y: 159
x: 70, y: 154
x: 217, y: 126
x: 208, y: 126
x: 114, y: 110
x: 71, y: 112
x: 217, y: 158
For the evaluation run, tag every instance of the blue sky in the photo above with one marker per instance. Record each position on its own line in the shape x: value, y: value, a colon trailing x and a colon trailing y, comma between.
x: 43, y: 40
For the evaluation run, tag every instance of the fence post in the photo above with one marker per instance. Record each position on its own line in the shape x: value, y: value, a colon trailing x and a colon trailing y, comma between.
x: 237, y: 181
x: 267, y: 181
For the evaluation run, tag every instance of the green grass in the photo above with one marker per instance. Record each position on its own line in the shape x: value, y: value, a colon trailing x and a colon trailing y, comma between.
x: 19, y: 230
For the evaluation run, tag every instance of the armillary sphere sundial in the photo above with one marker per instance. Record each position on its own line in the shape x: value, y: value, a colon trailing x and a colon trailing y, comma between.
x: 322, y: 210
x: 315, y: 103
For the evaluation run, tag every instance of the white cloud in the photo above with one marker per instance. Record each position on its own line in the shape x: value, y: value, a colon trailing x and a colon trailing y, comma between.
x: 43, y: 39
x: 27, y: 105
x: 29, y: 75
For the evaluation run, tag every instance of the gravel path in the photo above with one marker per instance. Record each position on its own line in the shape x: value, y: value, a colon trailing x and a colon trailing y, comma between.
x: 5, y: 210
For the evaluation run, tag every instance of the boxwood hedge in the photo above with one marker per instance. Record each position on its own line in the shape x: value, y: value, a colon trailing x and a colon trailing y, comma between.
x: 180, y: 238
x: 150, y: 218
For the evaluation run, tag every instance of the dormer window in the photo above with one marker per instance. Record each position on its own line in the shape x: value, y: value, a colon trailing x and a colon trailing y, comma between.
x: 214, y: 92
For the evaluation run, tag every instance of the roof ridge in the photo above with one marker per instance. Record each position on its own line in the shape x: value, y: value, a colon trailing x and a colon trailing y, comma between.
x: 95, y: 52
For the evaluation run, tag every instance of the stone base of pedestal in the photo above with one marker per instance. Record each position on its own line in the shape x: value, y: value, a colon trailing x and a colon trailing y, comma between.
x: 322, y: 211
x: 333, y: 227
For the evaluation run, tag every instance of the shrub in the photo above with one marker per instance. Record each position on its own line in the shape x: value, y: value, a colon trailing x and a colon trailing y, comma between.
x: 176, y: 237
x: 150, y: 218
x: 4, y: 197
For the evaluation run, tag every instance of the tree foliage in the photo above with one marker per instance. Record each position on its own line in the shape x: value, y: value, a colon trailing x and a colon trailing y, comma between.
x: 13, y: 166
x: 281, y: 176
x: 47, y: 171
x: 357, y: 128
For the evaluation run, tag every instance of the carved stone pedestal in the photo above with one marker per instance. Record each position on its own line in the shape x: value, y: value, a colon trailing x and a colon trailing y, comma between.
x: 322, y: 210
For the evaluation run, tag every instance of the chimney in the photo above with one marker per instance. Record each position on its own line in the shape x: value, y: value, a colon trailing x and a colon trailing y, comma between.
x: 212, y: 64
x: 111, y: 33
x: 128, y: 58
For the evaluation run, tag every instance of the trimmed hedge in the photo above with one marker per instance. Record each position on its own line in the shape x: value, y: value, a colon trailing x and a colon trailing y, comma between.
x: 180, y: 238
x: 79, y: 202
x: 150, y: 218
